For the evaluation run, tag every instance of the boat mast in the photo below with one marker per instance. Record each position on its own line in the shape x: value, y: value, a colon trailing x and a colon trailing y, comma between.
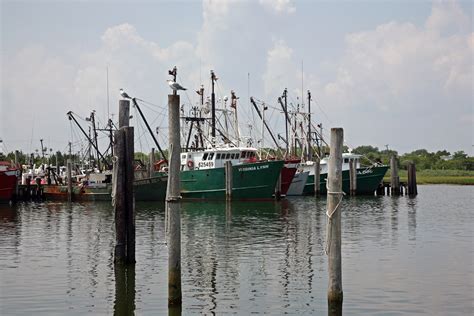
x: 213, y: 107
x: 94, y: 131
x: 233, y: 104
x: 287, y: 119
x: 71, y: 117
x: 265, y: 123
x: 310, y: 149
x: 149, y: 129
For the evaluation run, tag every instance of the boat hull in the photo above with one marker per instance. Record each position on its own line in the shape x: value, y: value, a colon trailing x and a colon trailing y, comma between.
x: 8, y: 183
x: 298, y: 184
x: 250, y: 181
x: 368, y: 180
x: 147, y: 189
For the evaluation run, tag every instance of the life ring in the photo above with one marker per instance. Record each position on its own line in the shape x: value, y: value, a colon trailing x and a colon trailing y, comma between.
x: 158, y: 165
x: 190, y: 164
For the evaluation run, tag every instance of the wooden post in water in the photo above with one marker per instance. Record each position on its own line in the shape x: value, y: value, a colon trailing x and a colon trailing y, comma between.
x: 69, y: 180
x: 412, y: 189
x: 317, y: 176
x: 228, y: 180
x: 334, y: 198
x: 172, y: 204
x: 123, y: 188
x: 394, y: 179
x: 152, y: 162
x: 352, y: 177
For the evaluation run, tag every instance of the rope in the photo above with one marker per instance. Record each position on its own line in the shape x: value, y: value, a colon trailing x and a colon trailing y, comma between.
x: 329, y: 215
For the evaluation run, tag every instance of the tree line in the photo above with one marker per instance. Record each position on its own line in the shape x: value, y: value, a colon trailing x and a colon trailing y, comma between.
x: 423, y: 159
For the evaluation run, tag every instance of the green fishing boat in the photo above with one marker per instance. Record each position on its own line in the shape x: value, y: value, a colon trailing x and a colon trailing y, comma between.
x: 203, y: 176
x: 368, y: 178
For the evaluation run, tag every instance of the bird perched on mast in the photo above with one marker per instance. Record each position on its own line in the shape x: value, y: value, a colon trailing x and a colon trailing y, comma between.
x: 174, y: 85
x: 124, y: 94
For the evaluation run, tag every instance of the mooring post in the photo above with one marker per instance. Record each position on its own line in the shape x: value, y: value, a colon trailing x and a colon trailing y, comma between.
x: 130, y: 202
x: 394, y: 179
x: 278, y: 188
x: 352, y: 177
x: 69, y: 180
x: 123, y: 202
x: 317, y: 176
x: 172, y: 203
x: 334, y: 199
x: 17, y: 165
x: 124, y: 113
x: 228, y: 180
x: 152, y: 163
x: 412, y: 189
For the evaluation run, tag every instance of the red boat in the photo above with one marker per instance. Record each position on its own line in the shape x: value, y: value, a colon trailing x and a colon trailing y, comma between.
x: 8, y: 180
x: 287, y: 174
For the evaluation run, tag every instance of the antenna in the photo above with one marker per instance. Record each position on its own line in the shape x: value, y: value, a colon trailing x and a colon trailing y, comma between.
x: 108, y: 106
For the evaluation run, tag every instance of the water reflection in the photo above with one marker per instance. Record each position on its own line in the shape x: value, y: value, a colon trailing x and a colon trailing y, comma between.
x: 242, y: 257
x: 412, y: 207
x: 124, y: 303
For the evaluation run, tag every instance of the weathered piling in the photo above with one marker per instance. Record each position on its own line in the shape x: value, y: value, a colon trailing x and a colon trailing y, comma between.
x: 124, y: 113
x: 123, y: 188
x: 412, y: 188
x: 151, y: 166
x: 228, y: 180
x: 69, y: 180
x: 334, y: 198
x: 172, y: 204
x: 317, y: 176
x: 394, y: 178
x: 352, y: 177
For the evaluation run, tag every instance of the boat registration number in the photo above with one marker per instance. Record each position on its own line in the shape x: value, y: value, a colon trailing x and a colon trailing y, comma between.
x: 204, y: 164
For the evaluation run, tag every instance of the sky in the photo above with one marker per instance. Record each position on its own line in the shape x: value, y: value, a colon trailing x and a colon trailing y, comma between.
x: 391, y: 73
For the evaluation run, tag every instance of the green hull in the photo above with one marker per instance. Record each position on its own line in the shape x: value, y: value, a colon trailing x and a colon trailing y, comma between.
x: 368, y: 180
x: 252, y: 181
x: 151, y: 189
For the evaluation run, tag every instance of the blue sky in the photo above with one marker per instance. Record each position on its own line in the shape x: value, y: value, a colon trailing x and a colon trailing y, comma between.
x: 391, y: 72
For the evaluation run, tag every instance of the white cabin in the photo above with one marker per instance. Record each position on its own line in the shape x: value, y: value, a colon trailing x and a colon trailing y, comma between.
x: 216, y: 157
x: 346, y: 158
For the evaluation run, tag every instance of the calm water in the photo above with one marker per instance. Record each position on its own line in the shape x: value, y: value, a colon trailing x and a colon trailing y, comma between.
x: 400, y: 256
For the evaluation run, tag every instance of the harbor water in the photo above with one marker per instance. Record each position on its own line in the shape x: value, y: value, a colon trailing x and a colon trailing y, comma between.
x: 401, y: 256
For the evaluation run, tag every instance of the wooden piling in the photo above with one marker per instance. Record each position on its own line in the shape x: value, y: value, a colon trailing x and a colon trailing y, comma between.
x: 123, y: 197
x: 334, y: 198
x: 152, y: 162
x: 124, y: 113
x: 69, y: 180
x: 228, y: 180
x: 352, y: 177
x: 317, y: 176
x: 394, y: 178
x: 172, y: 204
x: 412, y: 188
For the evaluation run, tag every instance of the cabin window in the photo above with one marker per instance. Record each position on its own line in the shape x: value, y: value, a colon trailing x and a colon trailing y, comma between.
x: 237, y: 155
x: 346, y: 160
x: 204, y: 157
x: 211, y: 155
x: 227, y: 156
x: 244, y: 153
x: 252, y: 154
x: 218, y: 156
x: 183, y: 156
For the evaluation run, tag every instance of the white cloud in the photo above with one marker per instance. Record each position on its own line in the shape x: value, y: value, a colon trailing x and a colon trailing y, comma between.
x: 279, y: 6
x: 280, y: 69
